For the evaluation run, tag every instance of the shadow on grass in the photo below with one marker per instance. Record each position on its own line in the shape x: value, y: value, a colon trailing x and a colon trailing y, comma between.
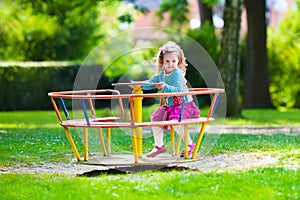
x: 133, y: 169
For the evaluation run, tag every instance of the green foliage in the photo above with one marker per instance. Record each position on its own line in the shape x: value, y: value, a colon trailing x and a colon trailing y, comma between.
x: 119, y: 53
x: 122, y: 56
x: 63, y: 30
x: 207, y: 38
x: 48, y: 30
x: 284, y: 61
x: 26, y: 35
x: 205, y: 35
x: 210, y: 3
x: 177, y: 10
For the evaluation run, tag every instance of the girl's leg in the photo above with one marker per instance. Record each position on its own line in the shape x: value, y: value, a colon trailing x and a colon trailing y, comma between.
x: 180, y: 131
x: 191, y: 144
x: 158, y: 134
x: 159, y: 146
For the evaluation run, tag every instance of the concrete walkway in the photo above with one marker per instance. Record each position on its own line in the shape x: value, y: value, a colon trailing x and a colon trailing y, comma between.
x: 226, y: 129
x: 253, y: 129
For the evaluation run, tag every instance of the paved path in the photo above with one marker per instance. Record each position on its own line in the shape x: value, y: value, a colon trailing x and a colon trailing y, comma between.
x: 224, y: 129
x: 253, y: 129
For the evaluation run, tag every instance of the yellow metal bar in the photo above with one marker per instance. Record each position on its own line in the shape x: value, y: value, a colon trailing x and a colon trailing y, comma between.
x: 178, y: 145
x: 134, y: 144
x: 172, y: 140
x: 108, y: 135
x: 186, y: 134
x: 138, y: 117
x: 72, y: 143
x: 201, y: 133
x: 85, y: 144
x: 102, y: 141
x: 139, y: 134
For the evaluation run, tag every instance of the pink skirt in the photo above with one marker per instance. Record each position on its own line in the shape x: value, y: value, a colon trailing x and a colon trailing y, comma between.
x: 165, y: 113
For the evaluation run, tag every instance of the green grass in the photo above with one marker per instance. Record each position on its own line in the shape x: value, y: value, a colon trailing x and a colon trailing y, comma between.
x: 48, y: 119
x: 267, y: 117
x: 267, y: 183
x: 28, y: 146
x: 28, y: 137
x: 36, y: 137
x: 28, y: 119
x: 286, y: 147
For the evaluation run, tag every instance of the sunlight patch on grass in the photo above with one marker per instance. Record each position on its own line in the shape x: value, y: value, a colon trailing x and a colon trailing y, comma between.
x: 29, y: 125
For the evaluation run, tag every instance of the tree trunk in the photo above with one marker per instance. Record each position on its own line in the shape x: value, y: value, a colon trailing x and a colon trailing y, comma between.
x: 256, y: 88
x: 205, y: 12
x: 229, y: 61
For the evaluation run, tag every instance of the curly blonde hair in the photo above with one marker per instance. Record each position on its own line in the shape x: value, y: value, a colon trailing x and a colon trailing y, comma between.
x: 171, y: 47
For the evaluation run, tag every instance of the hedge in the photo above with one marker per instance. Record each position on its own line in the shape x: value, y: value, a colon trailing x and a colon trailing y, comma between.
x: 25, y: 86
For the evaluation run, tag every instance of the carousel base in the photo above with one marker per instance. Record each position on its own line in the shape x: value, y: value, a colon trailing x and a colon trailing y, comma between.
x: 124, y: 163
x: 127, y: 161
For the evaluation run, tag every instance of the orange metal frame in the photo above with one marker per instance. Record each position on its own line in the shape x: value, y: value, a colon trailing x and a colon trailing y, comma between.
x: 134, y: 124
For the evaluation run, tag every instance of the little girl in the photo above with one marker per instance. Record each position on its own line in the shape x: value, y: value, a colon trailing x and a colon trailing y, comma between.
x: 171, y: 68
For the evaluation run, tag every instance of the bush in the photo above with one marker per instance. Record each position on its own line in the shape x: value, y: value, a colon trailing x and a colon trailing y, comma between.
x: 25, y: 86
x: 284, y: 62
x: 207, y: 38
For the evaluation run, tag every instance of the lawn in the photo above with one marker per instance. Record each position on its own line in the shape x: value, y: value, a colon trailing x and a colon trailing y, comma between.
x: 266, y: 183
x: 267, y: 117
x: 48, y: 119
x: 28, y: 137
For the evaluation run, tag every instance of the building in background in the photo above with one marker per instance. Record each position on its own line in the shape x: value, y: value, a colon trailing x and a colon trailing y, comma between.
x: 277, y: 9
x: 275, y: 12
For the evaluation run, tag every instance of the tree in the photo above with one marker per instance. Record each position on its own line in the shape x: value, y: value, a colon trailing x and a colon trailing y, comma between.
x: 179, y: 10
x: 49, y: 29
x: 205, y: 34
x: 229, y: 60
x: 205, y: 8
x: 256, y: 87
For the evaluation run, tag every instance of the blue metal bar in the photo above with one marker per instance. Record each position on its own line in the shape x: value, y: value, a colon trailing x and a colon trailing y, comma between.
x: 182, y: 108
x: 216, y: 104
x: 64, y: 108
x: 85, y: 112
